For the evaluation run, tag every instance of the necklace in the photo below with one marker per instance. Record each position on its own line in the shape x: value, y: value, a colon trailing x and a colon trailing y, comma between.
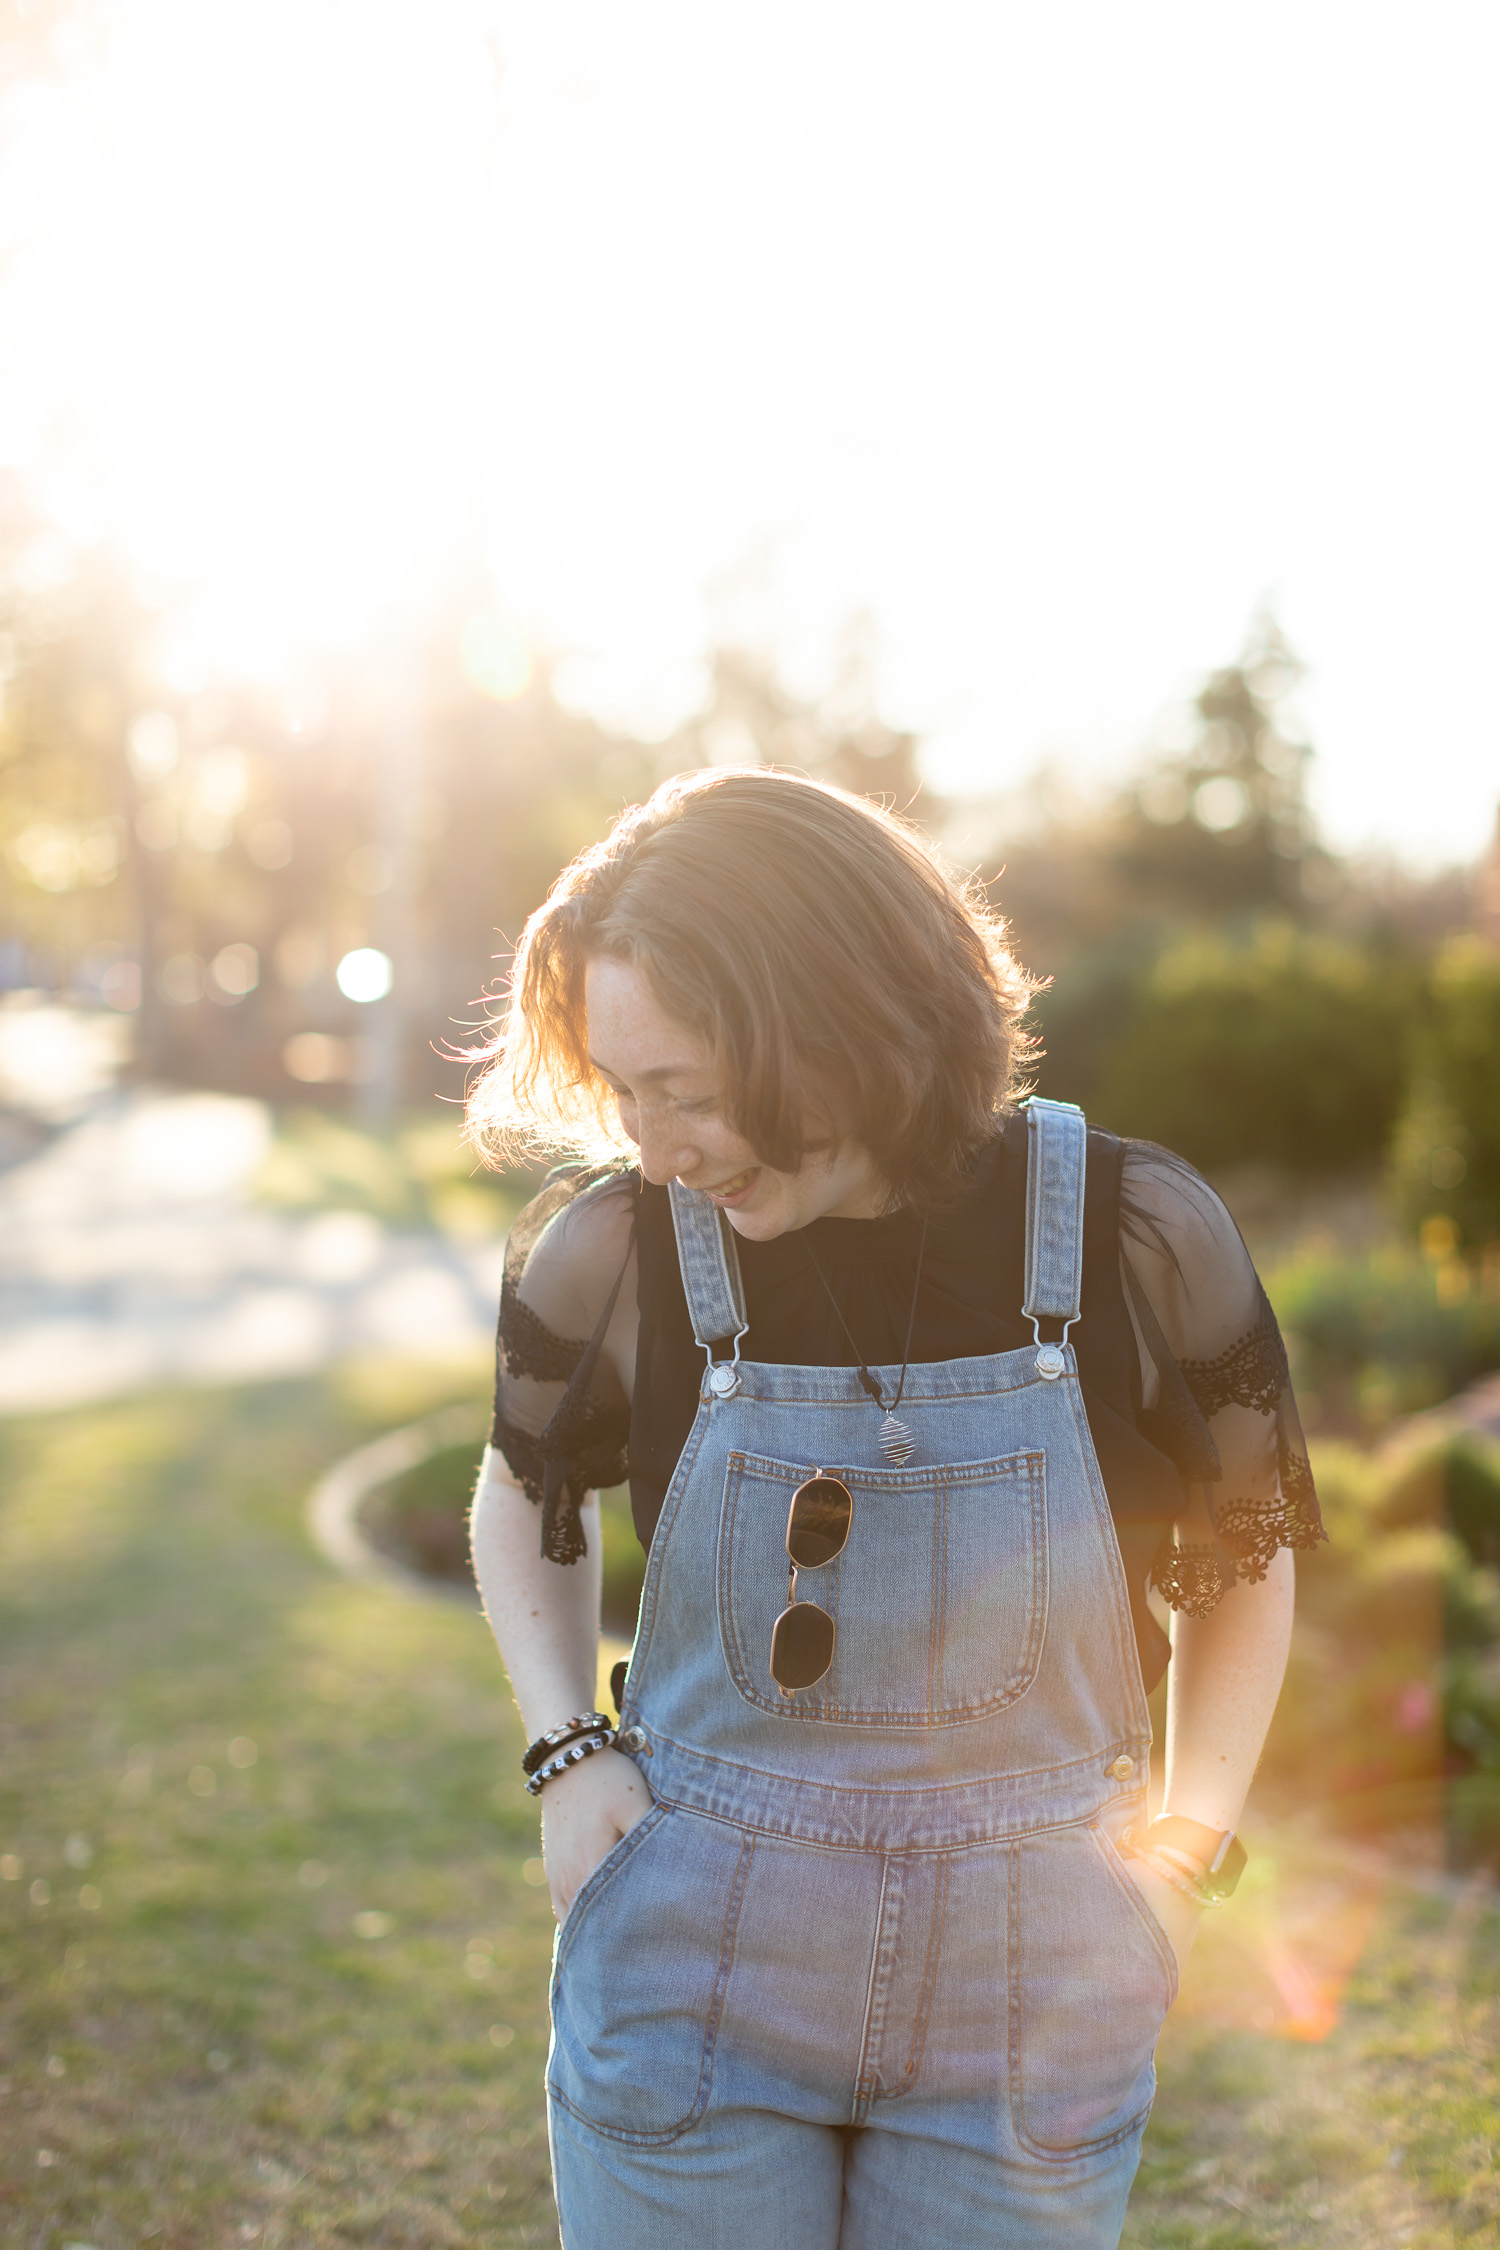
x: 896, y: 1441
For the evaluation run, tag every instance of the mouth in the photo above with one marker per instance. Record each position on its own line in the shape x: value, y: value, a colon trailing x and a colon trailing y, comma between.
x: 734, y: 1191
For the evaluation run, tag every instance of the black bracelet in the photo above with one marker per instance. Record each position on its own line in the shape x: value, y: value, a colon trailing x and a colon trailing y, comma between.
x: 573, y: 1755
x: 587, y: 1722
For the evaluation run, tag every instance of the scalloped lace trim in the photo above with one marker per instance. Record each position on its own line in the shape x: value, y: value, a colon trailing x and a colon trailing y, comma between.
x: 1253, y: 1530
x: 530, y: 1346
x: 1191, y: 1579
x: 1252, y: 1372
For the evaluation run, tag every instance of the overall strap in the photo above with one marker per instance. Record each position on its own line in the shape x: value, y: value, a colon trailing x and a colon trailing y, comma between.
x: 710, y: 1267
x: 1056, y: 1149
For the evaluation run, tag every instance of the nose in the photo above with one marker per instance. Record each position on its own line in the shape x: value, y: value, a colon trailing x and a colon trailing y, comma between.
x: 665, y: 1155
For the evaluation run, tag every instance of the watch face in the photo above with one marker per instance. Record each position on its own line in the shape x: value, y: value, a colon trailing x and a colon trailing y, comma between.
x: 1220, y: 1881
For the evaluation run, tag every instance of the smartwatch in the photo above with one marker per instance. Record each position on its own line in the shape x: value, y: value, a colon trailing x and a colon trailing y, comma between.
x: 1218, y: 1855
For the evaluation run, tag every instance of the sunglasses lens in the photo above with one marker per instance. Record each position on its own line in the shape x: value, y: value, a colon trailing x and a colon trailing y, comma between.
x: 819, y: 1523
x: 801, y: 1646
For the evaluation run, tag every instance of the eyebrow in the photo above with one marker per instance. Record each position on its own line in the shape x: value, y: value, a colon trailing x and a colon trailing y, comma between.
x: 650, y: 1077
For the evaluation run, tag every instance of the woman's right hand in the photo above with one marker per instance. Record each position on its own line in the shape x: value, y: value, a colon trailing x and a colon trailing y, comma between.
x: 585, y: 1812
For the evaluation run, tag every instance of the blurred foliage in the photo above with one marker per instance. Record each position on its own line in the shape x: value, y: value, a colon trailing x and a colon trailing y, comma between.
x: 1446, y: 1155
x: 1214, y: 830
x: 1386, y: 1332
x: 1284, y: 1047
x: 420, y: 1175
x: 1393, y: 1693
x: 199, y: 856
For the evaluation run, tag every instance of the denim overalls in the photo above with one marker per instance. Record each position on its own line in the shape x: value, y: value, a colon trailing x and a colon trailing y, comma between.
x: 871, y: 1972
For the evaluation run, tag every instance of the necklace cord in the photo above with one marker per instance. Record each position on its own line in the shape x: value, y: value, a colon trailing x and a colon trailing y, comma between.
x: 867, y: 1381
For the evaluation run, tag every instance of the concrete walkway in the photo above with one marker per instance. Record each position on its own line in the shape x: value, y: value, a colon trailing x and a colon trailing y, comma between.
x: 132, y: 1253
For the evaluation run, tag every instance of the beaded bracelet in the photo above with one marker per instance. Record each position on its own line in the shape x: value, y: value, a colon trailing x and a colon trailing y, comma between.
x: 1161, y: 1866
x: 587, y: 1722
x: 573, y: 1755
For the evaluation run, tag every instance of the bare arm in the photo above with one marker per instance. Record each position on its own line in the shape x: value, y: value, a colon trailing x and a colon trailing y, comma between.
x: 1221, y: 1693
x: 545, y: 1616
x: 1225, y: 1677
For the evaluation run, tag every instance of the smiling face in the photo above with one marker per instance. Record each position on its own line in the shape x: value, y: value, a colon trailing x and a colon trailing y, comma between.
x: 665, y: 1087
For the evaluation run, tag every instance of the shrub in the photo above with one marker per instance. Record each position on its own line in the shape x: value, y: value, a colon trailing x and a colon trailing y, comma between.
x: 1384, y: 1332
x: 1285, y: 1049
x: 422, y: 1518
x: 1445, y: 1159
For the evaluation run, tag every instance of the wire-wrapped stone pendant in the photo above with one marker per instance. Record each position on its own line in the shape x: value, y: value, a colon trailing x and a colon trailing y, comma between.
x: 896, y: 1442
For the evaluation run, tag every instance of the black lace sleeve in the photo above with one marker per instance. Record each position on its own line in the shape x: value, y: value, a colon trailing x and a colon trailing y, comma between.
x: 561, y: 1417
x: 1218, y: 1394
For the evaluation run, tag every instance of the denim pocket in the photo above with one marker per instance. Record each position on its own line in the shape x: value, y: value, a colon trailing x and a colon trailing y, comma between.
x: 643, y: 1965
x: 939, y: 1599
x: 1092, y: 1977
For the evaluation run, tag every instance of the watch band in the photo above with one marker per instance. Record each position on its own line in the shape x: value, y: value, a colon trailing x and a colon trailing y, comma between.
x: 1218, y: 1852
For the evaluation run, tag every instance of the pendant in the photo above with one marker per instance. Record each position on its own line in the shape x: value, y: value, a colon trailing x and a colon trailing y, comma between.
x: 896, y: 1442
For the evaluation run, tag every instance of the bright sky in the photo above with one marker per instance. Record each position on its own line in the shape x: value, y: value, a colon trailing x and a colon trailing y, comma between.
x: 1056, y: 338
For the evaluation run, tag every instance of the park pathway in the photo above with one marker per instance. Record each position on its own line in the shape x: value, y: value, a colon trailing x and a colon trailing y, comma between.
x: 132, y: 1253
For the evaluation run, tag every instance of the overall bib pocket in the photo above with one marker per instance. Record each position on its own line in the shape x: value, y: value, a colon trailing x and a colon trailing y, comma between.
x: 643, y: 1964
x: 939, y: 1598
x: 1092, y: 1978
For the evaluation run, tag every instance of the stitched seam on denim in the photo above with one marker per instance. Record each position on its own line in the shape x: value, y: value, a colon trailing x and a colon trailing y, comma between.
x: 831, y: 1604
x: 723, y: 1575
x: 908, y: 2077
x: 914, y: 1792
x: 1017, y: 2071
x: 939, y: 1589
x: 826, y: 1708
x: 1127, y: 1653
x: 703, y: 1265
x: 875, y: 1995
x: 656, y: 1563
x: 1074, y: 2149
x: 608, y: 1868
x: 921, y: 1848
x: 776, y: 1384
x: 765, y: 1468
x: 721, y: 1982
x: 729, y: 1937
x: 1142, y: 1905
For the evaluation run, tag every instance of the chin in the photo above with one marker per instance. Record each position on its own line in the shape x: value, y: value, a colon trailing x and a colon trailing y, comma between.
x: 760, y: 1226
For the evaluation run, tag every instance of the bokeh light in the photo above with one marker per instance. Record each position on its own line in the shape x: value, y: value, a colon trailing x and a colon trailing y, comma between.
x: 365, y: 974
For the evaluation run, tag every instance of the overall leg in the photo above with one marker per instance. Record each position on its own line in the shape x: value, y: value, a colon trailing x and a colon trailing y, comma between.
x: 901, y: 2190
x: 742, y: 2179
x: 708, y: 2005
x: 1014, y: 2074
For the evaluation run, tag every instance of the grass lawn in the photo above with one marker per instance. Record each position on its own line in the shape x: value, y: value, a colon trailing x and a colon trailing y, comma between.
x: 273, y: 1947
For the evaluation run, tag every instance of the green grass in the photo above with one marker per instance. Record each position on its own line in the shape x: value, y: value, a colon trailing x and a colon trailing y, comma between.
x: 1381, y: 2132
x: 254, y: 2003
x: 192, y: 2026
x: 419, y: 1175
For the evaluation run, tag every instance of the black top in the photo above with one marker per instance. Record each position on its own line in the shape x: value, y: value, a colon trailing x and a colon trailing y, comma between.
x: 969, y: 1304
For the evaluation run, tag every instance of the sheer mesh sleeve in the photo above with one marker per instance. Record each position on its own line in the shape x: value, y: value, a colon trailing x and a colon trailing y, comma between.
x: 567, y: 1321
x: 1216, y: 1390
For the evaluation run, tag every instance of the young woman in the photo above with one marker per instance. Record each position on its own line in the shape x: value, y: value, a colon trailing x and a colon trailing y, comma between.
x: 866, y: 1937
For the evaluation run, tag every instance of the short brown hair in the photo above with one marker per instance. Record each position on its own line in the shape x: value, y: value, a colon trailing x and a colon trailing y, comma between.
x: 808, y: 937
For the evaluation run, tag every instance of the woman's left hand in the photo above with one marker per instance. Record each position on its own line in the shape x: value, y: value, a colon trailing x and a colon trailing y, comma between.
x: 1178, y: 1914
